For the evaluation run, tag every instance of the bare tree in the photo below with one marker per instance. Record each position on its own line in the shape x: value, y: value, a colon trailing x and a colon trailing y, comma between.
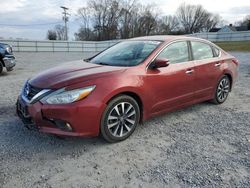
x: 60, y: 32
x: 85, y: 17
x: 246, y: 22
x: 145, y: 21
x: 194, y: 18
x: 85, y: 34
x: 105, y: 14
x: 128, y: 9
x: 212, y: 22
x: 168, y: 25
x: 112, y: 19
x: 51, y: 35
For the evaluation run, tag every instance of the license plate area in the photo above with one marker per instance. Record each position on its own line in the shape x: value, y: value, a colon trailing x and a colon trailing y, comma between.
x: 23, y: 113
x: 23, y: 109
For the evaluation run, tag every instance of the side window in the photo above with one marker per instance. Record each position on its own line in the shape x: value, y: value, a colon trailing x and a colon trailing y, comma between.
x: 201, y: 50
x: 176, y: 52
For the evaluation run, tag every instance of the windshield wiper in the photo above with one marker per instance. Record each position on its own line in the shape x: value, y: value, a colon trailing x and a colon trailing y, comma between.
x: 102, y: 63
x: 86, y: 60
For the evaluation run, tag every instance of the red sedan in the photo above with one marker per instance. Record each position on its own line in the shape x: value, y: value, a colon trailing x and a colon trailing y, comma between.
x: 110, y: 93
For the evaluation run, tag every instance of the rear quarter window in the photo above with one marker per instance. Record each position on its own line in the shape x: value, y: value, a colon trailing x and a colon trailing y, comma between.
x: 216, y: 52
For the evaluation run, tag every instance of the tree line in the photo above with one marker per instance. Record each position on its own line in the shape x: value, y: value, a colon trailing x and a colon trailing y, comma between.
x: 122, y: 19
x: 112, y: 19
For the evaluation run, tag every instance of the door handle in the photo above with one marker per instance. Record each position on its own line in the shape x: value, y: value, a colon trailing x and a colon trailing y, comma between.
x: 189, y: 71
x: 217, y: 64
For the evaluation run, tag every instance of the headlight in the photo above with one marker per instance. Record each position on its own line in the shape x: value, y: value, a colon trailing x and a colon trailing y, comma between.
x: 62, y: 96
x: 9, y: 49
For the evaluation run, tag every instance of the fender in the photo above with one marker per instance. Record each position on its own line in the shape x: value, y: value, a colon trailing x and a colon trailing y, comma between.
x: 136, y: 91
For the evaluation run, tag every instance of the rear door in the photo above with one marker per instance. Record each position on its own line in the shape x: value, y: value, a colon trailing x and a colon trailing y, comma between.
x: 207, y: 68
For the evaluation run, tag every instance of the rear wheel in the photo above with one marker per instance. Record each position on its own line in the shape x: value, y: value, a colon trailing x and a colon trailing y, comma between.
x: 222, y: 90
x: 120, y: 118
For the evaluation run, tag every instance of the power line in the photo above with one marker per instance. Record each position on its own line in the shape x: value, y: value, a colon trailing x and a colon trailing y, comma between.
x: 28, y: 25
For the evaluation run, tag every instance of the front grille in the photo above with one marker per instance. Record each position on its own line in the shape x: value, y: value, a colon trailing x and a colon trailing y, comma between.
x: 30, y: 91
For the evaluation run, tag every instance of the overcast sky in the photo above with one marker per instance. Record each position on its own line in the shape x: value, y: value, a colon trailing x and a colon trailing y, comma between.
x: 23, y: 13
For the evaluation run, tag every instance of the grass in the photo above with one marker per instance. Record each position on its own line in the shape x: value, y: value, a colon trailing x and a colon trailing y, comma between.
x: 242, y: 46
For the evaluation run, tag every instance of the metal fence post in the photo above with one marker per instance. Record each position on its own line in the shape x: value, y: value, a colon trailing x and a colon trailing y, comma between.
x: 36, y: 46
x: 53, y: 46
x: 18, y: 48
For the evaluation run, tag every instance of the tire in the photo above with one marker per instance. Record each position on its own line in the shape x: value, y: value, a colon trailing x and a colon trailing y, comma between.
x: 222, y: 90
x: 120, y: 118
x: 1, y: 67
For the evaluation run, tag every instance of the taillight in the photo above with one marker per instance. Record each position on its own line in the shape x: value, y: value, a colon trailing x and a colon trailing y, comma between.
x: 235, y: 61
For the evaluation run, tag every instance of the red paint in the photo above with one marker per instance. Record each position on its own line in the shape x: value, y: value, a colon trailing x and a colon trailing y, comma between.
x: 160, y: 90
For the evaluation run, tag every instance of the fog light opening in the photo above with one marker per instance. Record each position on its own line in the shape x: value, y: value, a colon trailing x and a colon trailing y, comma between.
x: 63, y: 125
x: 69, y: 127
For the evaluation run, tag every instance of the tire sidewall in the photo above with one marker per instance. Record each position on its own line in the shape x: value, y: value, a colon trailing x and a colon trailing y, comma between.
x: 104, y: 129
x: 217, y: 87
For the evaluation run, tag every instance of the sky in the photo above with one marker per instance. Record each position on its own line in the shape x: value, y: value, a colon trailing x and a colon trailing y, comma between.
x: 17, y: 16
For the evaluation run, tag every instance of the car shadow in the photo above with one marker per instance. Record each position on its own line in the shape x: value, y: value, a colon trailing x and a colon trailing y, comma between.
x: 192, y: 108
x: 4, y: 74
x: 17, y: 140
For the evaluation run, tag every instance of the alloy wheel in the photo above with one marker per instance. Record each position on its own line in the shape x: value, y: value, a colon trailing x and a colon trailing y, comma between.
x: 223, y: 89
x: 121, y: 119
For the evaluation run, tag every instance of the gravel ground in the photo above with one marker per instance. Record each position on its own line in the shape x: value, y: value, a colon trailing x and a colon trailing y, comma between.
x: 203, y: 145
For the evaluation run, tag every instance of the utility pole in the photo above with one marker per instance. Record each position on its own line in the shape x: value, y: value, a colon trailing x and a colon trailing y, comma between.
x: 65, y: 19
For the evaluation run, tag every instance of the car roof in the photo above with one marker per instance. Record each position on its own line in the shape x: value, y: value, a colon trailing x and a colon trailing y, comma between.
x: 167, y: 38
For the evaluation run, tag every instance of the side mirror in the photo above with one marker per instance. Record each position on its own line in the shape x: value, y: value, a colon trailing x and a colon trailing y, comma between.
x: 158, y: 63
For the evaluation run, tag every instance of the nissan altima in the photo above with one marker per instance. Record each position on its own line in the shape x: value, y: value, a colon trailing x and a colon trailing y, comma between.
x: 111, y: 93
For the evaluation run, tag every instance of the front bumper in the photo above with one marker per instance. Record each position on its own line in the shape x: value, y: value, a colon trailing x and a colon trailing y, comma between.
x: 83, y: 116
x: 9, y: 63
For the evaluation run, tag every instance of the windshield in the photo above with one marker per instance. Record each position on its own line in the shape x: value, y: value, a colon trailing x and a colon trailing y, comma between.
x: 127, y: 53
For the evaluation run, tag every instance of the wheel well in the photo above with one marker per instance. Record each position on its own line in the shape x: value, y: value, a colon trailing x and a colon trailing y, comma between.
x: 2, y: 63
x: 134, y: 96
x: 1, y: 60
x: 231, y: 80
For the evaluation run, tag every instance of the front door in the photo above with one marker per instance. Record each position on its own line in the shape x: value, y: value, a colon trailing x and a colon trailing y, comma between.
x: 173, y: 85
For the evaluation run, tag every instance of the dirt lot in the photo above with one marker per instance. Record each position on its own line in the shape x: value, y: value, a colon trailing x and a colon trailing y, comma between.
x: 203, y: 145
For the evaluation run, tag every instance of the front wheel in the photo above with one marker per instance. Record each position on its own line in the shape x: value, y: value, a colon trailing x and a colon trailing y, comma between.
x: 222, y: 90
x: 120, y: 118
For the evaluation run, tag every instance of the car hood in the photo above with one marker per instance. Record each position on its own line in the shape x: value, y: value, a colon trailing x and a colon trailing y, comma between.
x: 3, y: 44
x: 72, y: 73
